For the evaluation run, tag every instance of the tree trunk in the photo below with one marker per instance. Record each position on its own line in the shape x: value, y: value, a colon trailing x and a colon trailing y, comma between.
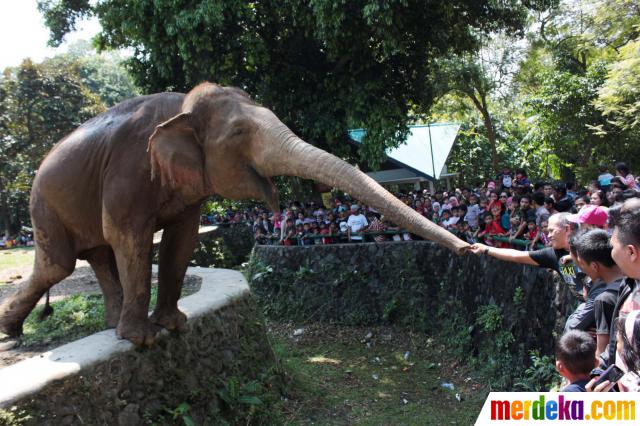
x: 481, y: 105
x: 4, y: 211
x: 491, y: 135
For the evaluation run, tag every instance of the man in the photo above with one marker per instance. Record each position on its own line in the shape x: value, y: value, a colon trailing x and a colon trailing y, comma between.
x: 542, y: 213
x: 559, y: 230
x: 356, y: 222
x: 526, y: 213
x: 591, y: 251
x: 625, y: 243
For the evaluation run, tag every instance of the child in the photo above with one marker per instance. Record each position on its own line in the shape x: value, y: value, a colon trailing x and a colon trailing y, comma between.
x: 259, y: 236
x: 628, y: 351
x: 325, y: 231
x: 300, y: 234
x: 334, y: 231
x: 466, y: 233
x: 491, y: 227
x: 446, y: 215
x: 483, y: 204
x: 542, y: 236
x: 575, y: 358
x: 450, y: 224
x: 289, y: 232
x: 532, y: 232
x: 473, y: 211
x: 515, y: 226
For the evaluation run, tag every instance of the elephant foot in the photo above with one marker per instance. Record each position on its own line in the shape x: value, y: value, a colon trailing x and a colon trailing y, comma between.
x: 12, y: 315
x: 140, y: 333
x: 171, y: 319
x: 112, y: 316
x: 10, y: 325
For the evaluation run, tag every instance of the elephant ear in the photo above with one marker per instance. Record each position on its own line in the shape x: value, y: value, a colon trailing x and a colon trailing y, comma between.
x: 176, y: 156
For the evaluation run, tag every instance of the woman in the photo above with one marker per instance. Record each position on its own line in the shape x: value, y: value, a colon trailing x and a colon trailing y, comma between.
x: 625, y: 176
x: 599, y: 199
x: 627, y: 355
x: 494, y: 200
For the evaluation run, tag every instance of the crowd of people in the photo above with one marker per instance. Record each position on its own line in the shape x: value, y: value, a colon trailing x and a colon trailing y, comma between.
x: 508, y: 211
x: 22, y: 239
x: 589, y: 235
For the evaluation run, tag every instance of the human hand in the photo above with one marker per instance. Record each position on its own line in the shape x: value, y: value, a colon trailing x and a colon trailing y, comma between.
x: 602, y: 387
x: 477, y: 248
x: 565, y: 259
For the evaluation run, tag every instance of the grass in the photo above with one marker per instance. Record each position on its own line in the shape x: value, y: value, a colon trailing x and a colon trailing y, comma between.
x: 73, y: 317
x: 342, y: 381
x: 16, y: 257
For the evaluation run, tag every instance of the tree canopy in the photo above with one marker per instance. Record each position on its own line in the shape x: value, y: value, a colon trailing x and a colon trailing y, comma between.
x: 322, y: 66
x: 40, y: 103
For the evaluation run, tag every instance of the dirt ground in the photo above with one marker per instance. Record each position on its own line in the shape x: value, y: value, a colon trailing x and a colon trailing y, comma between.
x: 82, y: 281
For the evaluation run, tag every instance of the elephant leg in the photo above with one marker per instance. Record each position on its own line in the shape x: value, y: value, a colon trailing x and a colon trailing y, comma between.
x: 48, y: 270
x: 103, y: 262
x: 176, y: 249
x: 132, y: 249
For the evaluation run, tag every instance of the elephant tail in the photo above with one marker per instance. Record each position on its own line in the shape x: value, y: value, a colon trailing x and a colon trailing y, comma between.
x: 47, y: 310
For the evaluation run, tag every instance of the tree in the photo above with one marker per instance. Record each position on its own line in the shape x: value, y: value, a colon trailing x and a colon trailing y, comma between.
x: 562, y: 79
x: 619, y: 96
x: 103, y: 74
x: 322, y: 66
x: 40, y: 104
x: 480, y: 76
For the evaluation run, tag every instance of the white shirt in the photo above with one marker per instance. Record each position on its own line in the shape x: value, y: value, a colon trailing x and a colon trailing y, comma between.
x: 356, y: 223
x: 473, y: 212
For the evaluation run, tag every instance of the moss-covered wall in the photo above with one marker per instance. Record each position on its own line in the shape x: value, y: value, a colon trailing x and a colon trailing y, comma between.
x: 220, y: 370
x: 225, y: 246
x: 492, y: 310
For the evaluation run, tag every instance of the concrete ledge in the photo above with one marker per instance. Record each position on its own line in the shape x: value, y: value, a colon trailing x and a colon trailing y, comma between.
x: 22, y: 381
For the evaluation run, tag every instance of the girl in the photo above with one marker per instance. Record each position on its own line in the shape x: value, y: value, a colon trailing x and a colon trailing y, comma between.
x: 628, y: 351
x: 494, y: 200
x: 491, y: 227
x: 625, y: 176
x: 532, y: 233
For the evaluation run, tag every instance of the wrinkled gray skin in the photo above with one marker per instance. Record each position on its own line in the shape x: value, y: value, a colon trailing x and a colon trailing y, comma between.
x: 148, y: 164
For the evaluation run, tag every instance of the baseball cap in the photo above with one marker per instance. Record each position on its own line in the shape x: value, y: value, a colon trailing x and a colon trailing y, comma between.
x: 591, y: 215
x: 354, y: 207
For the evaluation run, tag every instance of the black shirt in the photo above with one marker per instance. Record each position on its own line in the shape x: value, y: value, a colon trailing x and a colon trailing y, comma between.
x: 577, y: 386
x: 550, y: 258
x: 604, y: 305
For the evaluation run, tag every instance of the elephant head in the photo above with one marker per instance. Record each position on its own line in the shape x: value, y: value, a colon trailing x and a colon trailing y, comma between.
x: 224, y: 143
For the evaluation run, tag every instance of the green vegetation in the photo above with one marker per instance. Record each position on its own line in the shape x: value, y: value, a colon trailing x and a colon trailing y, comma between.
x: 396, y: 377
x: 74, y: 317
x: 40, y: 103
x: 322, y: 66
x: 16, y: 258
x: 14, y: 417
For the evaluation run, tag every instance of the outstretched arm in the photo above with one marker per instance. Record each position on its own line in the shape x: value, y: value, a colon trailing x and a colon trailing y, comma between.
x: 509, y: 255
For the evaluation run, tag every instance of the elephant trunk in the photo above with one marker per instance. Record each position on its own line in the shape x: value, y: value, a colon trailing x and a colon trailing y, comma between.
x: 284, y: 153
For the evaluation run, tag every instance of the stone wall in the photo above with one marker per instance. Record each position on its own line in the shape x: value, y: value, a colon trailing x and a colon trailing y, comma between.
x: 485, y: 307
x: 201, y: 373
x: 224, y: 247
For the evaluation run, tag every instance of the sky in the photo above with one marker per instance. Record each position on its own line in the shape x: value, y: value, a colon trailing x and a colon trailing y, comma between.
x: 24, y: 35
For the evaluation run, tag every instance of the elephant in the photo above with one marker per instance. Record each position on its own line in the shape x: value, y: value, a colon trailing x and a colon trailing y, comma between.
x: 149, y: 163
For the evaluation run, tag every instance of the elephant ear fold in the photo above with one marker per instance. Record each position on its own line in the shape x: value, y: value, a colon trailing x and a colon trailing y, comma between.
x: 176, y: 155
